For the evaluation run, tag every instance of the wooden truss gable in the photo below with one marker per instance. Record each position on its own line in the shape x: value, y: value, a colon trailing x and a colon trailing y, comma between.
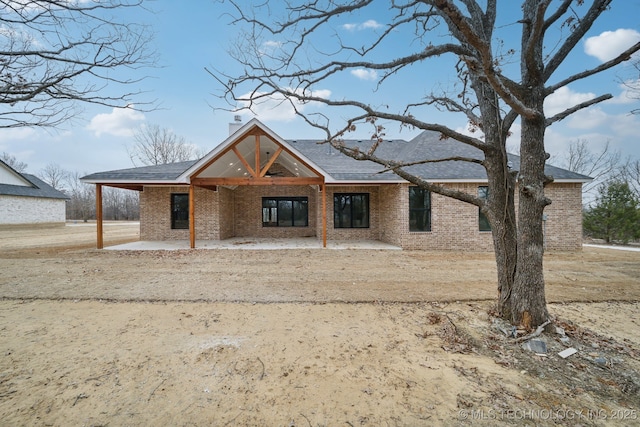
x: 248, y: 160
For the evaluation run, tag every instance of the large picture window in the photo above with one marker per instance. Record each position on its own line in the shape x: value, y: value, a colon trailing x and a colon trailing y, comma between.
x: 483, y: 221
x: 351, y: 210
x: 179, y: 211
x: 285, y: 212
x: 419, y: 209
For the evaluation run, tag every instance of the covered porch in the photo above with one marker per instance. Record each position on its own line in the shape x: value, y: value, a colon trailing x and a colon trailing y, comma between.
x: 217, y: 196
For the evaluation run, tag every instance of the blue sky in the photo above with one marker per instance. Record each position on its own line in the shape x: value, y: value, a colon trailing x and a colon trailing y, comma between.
x: 196, y: 34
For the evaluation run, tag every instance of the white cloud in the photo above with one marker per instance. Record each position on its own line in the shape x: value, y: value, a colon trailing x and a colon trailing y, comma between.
x: 589, y: 118
x: 277, y: 107
x: 363, y: 74
x: 12, y: 135
x: 120, y: 122
x: 370, y: 24
x: 564, y: 98
x: 626, y: 125
x: 610, y: 44
x: 629, y: 93
x: 322, y: 93
x: 270, y: 46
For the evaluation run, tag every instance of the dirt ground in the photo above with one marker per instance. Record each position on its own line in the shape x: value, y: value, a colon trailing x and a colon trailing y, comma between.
x: 303, y: 338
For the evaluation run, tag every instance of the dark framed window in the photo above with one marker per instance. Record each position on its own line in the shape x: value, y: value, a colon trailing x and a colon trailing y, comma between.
x: 351, y: 210
x: 285, y: 212
x: 179, y: 211
x: 483, y: 221
x: 419, y: 209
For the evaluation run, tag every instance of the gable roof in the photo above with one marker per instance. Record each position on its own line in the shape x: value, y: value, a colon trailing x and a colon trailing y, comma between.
x: 9, y: 175
x: 32, y: 187
x: 252, y: 143
x: 323, y: 160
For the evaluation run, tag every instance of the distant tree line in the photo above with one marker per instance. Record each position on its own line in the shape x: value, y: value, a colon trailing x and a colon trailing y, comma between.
x: 117, y: 204
x: 612, y: 200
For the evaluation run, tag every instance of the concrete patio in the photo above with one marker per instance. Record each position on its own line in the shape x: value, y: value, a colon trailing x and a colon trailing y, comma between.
x: 249, y: 243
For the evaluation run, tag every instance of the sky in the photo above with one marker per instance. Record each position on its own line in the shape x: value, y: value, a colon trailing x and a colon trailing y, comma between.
x: 197, y: 34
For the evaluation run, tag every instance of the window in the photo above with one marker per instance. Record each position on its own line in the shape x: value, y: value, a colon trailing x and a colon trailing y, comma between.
x: 351, y: 210
x: 179, y: 211
x: 483, y: 221
x: 419, y: 209
x: 285, y: 212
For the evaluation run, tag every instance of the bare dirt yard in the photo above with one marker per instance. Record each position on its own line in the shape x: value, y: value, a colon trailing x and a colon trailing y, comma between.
x: 304, y: 337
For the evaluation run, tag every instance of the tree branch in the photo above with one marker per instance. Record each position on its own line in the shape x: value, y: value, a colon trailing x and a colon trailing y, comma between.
x: 70, y: 48
x: 564, y: 114
x: 624, y: 56
x: 578, y: 31
x: 396, y: 167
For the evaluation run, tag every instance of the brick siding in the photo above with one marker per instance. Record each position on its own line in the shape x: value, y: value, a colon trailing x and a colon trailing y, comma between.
x: 454, y: 224
x: 155, y: 214
x: 237, y: 212
x: 31, y: 210
x: 563, y: 227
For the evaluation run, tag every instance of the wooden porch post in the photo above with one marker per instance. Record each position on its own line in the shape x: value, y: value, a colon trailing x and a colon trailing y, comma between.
x: 324, y: 215
x: 192, y: 218
x: 99, y: 242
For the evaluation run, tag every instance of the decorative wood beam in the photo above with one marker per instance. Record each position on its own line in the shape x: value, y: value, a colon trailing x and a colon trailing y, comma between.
x: 258, y: 181
x: 192, y: 217
x: 244, y: 161
x: 257, y: 156
x: 271, y: 161
x: 99, y: 242
x: 323, y: 189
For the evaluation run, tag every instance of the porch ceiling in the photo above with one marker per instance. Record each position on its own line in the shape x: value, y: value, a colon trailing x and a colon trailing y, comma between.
x: 229, y: 165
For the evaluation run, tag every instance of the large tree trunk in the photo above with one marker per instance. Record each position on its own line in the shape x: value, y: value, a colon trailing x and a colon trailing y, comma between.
x: 502, y: 217
x: 528, y: 303
x: 529, y: 306
x: 500, y: 205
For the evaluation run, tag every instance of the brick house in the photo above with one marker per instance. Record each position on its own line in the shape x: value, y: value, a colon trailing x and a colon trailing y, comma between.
x: 255, y: 184
x: 26, y: 199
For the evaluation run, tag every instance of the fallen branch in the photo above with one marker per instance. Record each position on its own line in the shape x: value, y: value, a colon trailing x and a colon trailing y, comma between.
x: 262, y: 374
x: 78, y: 397
x: 537, y: 332
x: 305, y: 417
x: 154, y: 390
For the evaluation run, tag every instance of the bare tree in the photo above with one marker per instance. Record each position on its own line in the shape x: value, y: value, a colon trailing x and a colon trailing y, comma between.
x: 13, y: 162
x: 82, y: 198
x: 158, y: 146
x: 54, y: 175
x: 633, y: 85
x: 499, y: 81
x: 630, y: 173
x: 598, y: 165
x: 119, y: 204
x: 57, y: 54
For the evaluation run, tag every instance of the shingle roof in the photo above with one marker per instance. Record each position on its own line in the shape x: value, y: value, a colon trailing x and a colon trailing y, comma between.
x: 145, y: 173
x: 39, y: 188
x: 428, y: 144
